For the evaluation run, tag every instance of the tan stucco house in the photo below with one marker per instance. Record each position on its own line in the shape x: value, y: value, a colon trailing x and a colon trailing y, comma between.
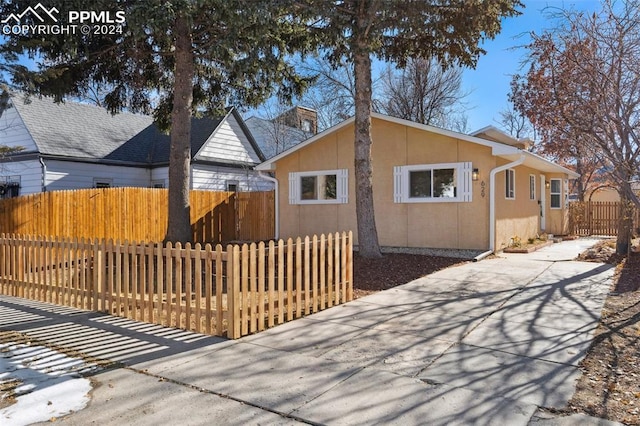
x: 433, y: 188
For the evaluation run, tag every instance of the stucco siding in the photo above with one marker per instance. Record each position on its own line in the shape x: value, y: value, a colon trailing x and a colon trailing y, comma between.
x: 63, y: 175
x: 229, y: 143
x: 518, y: 217
x: 438, y: 224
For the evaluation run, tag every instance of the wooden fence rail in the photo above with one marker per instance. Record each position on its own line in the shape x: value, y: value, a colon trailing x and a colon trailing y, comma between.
x: 597, y: 218
x: 138, y: 214
x: 233, y: 292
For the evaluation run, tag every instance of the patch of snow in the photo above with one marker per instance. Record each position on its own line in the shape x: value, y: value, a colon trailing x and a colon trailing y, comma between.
x: 49, y: 383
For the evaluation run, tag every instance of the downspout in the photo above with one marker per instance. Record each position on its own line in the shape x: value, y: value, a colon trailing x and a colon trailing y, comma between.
x: 277, y: 202
x: 44, y: 174
x: 492, y: 199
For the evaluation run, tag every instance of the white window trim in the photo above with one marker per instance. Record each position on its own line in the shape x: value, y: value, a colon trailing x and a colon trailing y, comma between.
x: 551, y: 193
x: 229, y: 183
x: 463, y: 183
x: 342, y: 186
x: 532, y: 194
x: 513, y: 181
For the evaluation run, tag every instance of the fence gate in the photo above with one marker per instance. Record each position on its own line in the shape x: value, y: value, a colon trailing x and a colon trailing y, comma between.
x: 597, y: 218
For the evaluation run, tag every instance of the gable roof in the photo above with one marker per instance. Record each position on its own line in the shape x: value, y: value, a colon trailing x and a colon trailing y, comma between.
x: 268, y: 133
x: 499, y: 149
x: 87, y: 132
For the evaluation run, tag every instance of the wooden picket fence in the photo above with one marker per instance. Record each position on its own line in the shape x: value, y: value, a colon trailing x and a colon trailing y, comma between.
x: 235, y: 291
x: 138, y: 214
x: 597, y: 218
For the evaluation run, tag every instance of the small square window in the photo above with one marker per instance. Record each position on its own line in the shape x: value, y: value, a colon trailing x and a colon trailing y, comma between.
x: 232, y: 186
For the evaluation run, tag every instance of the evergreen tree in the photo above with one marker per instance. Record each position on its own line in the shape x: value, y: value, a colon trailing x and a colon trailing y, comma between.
x: 175, y: 58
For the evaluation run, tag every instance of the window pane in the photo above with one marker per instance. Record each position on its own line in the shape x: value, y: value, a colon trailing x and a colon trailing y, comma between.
x: 420, y: 184
x: 444, y: 183
x: 308, y: 188
x: 555, y: 186
x: 532, y: 187
x: 555, y: 201
x: 509, y: 184
x: 328, y: 187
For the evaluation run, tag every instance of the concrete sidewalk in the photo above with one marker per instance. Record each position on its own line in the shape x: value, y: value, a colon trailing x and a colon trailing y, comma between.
x: 484, y: 343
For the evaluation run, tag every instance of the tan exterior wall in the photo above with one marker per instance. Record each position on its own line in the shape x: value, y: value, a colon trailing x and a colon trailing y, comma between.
x: 442, y: 225
x: 462, y: 225
x: 518, y: 217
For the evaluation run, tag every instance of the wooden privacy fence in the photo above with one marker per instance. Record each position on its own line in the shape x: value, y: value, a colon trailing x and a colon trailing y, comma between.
x: 230, y: 292
x: 597, y: 217
x: 138, y: 214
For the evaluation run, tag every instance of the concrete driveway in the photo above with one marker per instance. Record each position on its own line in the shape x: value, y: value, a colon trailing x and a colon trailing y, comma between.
x: 484, y: 343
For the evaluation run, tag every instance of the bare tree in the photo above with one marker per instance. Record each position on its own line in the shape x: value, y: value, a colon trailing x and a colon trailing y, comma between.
x: 333, y: 93
x: 515, y: 123
x: 582, y: 91
x: 425, y: 92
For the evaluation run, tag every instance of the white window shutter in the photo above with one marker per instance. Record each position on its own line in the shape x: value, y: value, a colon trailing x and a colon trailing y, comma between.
x: 466, y: 193
x: 294, y: 187
x: 397, y: 184
x: 343, y: 186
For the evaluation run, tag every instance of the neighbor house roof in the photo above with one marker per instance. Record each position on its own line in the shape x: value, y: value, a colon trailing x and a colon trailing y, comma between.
x: 499, y: 149
x: 80, y: 131
x: 274, y: 137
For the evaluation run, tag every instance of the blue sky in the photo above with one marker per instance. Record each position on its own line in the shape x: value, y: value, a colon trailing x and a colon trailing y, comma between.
x: 489, y: 82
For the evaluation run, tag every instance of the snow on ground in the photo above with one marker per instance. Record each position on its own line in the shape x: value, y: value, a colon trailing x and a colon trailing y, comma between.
x: 45, y: 384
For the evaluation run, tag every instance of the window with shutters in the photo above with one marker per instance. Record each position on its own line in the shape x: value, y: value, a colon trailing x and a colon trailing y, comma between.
x: 319, y: 187
x: 433, y: 183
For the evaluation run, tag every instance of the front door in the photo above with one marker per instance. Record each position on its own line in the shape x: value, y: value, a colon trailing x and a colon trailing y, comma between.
x: 543, y: 203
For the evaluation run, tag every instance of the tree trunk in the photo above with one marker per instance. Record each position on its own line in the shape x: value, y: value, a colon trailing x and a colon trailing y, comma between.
x: 625, y: 226
x: 179, y: 223
x: 368, y: 245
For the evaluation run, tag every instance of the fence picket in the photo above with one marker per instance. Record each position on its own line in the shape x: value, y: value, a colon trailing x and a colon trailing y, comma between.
x: 280, y: 281
x: 249, y: 275
x: 261, y: 284
x: 290, y: 282
x: 256, y: 287
x: 253, y: 278
x: 178, y: 281
x: 271, y: 283
x: 198, y: 284
x: 220, y: 291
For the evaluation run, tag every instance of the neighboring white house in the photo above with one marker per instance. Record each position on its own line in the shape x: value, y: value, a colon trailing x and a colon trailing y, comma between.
x: 72, y: 145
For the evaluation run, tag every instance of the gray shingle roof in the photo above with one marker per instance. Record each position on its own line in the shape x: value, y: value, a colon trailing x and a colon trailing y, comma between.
x: 83, y: 131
